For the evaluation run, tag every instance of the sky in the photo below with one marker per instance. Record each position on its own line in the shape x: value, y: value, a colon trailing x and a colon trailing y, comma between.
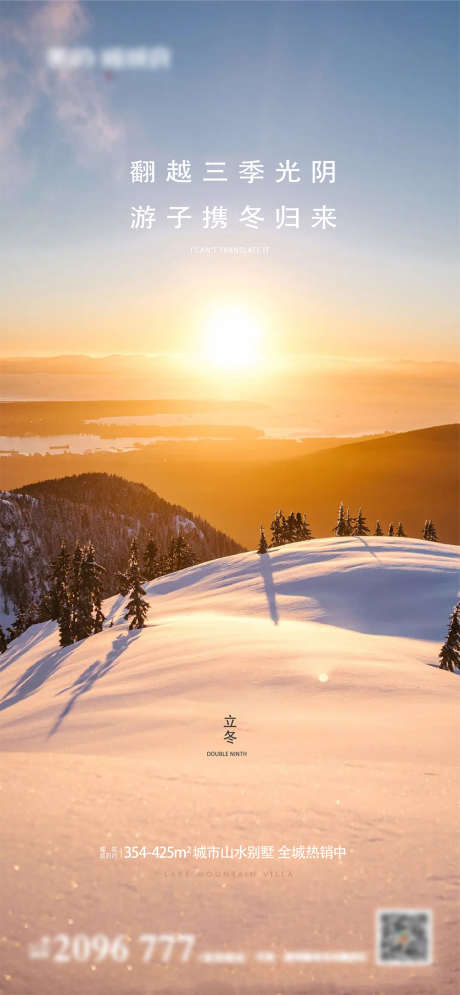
x: 371, y: 86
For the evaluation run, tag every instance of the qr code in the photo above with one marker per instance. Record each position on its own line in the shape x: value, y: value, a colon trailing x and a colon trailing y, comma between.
x: 404, y: 936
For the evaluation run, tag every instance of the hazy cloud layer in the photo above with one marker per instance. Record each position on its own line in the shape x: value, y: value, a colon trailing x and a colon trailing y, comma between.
x: 78, y: 104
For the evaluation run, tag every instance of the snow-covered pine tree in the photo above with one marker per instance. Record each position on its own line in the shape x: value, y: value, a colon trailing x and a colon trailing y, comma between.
x: 276, y: 529
x: 433, y: 535
x: 58, y: 580
x: 429, y: 531
x: 360, y: 528
x: 180, y: 553
x: 137, y: 608
x: 3, y: 641
x: 341, y: 526
x: 170, y: 556
x: 57, y: 602
x: 122, y: 583
x: 163, y: 564
x: 82, y: 595
x: 150, y: 560
x: 92, y: 575
x: 99, y: 619
x: 349, y: 523
x: 391, y: 530
x: 184, y: 553
x: 74, y: 592
x: 32, y: 614
x: 449, y: 653
x: 284, y: 529
x: 303, y: 527
x: 298, y: 526
x: 400, y: 531
x: 44, y: 607
x: 291, y: 528
x: 19, y: 625
x: 378, y: 529
x: 280, y: 529
x: 262, y: 547
x: 65, y: 619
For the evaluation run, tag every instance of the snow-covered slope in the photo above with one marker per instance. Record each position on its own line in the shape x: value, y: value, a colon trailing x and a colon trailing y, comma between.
x: 232, y: 633
x: 326, y: 654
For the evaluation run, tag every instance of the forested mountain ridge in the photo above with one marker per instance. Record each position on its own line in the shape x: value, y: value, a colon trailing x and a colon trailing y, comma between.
x: 97, y: 507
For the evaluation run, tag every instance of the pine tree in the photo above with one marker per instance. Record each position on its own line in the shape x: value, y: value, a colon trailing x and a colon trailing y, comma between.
x: 58, y: 580
x: 19, y: 625
x: 170, y: 557
x: 3, y: 641
x: 449, y: 654
x: 81, y: 595
x: 137, y: 607
x: 65, y: 619
x: 360, y: 528
x: 99, y: 619
x: 291, y: 528
x: 262, y: 548
x: 151, y: 558
x: 400, y: 531
x: 180, y: 554
x: 433, y: 536
x: 32, y: 614
x: 349, y: 523
x: 163, y: 564
x: 284, y: 529
x: 57, y: 602
x: 44, y: 609
x: 378, y: 529
x: 391, y: 530
x: 94, y: 571
x: 429, y: 531
x: 74, y: 590
x: 277, y: 529
x: 341, y: 527
x: 122, y: 583
x: 185, y: 555
x: 303, y: 527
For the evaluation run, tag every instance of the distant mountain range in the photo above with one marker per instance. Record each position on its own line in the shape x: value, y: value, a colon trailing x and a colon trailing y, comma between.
x: 97, y: 506
x: 407, y: 477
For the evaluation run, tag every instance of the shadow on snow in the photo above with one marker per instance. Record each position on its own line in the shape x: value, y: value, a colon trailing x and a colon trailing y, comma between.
x: 94, y: 673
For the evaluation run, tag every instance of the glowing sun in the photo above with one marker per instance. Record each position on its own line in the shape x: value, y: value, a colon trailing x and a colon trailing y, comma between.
x: 231, y: 338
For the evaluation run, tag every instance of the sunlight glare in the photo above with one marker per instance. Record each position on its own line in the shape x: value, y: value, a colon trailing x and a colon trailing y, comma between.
x: 232, y: 337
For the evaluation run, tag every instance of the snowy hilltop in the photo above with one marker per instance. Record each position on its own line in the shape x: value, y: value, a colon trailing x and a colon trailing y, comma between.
x: 290, y: 699
x: 100, y: 507
x: 359, y: 615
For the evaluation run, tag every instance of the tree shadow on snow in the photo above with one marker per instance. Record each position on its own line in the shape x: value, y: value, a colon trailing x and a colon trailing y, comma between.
x: 23, y: 643
x: 33, y: 678
x: 94, y: 673
x: 270, y: 591
x: 455, y: 673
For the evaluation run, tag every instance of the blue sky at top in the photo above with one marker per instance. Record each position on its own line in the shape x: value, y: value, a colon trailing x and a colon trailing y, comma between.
x: 371, y: 85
